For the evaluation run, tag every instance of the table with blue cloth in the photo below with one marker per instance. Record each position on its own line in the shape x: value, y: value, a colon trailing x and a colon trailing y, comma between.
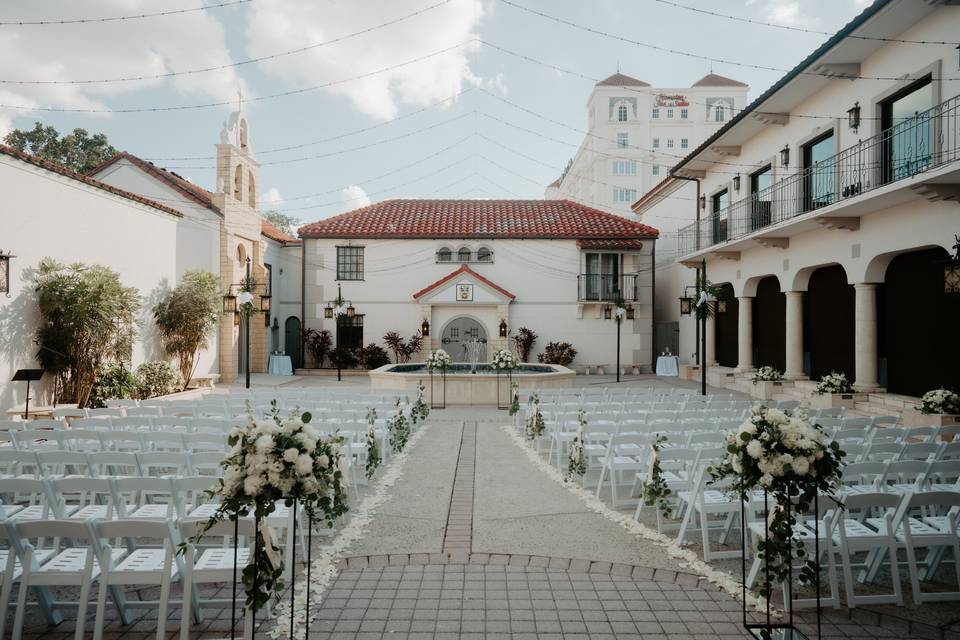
x: 668, y: 366
x: 280, y: 365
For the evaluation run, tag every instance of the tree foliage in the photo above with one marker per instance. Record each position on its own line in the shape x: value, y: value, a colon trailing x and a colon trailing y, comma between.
x: 86, y: 320
x: 187, y: 316
x: 403, y: 350
x: 78, y: 150
x: 287, y: 224
x: 318, y: 343
x: 523, y: 342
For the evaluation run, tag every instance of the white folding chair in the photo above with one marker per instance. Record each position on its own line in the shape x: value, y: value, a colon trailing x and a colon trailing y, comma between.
x: 86, y: 498
x: 852, y: 534
x: 164, y: 463
x: 206, y: 463
x: 67, y: 413
x: 112, y: 412
x: 54, y: 464
x: 15, y: 464
x: 936, y: 533
x: 625, y: 454
x: 38, y: 439
x: 145, y: 498
x: 191, y: 497
x: 115, y: 463
x: 27, y: 499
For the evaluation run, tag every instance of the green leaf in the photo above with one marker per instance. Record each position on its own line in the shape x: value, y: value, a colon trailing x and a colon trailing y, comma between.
x: 306, y: 417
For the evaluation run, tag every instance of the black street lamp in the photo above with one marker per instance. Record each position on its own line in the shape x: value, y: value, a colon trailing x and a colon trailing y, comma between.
x: 619, y: 312
x: 241, y: 305
x: 336, y: 309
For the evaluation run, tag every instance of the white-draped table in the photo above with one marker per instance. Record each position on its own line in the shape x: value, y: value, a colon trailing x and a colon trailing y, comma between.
x: 668, y: 366
x: 280, y: 365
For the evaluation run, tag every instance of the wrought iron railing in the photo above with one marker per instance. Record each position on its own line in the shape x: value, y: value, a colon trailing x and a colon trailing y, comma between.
x: 926, y: 141
x: 602, y: 287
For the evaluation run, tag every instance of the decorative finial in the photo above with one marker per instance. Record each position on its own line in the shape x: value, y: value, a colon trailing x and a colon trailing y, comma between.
x: 239, y: 98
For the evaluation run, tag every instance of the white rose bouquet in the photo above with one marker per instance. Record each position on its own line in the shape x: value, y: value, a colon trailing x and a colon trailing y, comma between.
x: 271, y: 460
x: 940, y: 401
x: 438, y: 360
x: 834, y: 382
x: 767, y: 374
x: 504, y: 360
x: 788, y: 456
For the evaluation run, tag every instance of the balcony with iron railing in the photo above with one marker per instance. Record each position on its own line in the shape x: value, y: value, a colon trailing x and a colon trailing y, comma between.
x: 602, y: 287
x: 925, y: 142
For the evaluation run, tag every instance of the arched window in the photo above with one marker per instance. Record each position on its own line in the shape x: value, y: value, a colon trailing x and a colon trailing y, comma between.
x: 251, y: 190
x: 241, y: 255
x: 484, y: 254
x: 238, y: 183
x: 463, y: 255
x: 243, y: 134
x: 622, y: 113
x: 444, y: 254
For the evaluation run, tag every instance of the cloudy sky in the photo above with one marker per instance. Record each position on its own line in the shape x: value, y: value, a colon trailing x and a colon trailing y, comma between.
x: 358, y: 100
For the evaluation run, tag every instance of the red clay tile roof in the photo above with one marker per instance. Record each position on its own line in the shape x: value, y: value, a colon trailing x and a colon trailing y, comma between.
x: 544, y: 219
x: 450, y: 276
x: 621, y: 80
x: 194, y: 192
x: 623, y: 244
x: 69, y: 173
x: 269, y: 230
x: 714, y: 80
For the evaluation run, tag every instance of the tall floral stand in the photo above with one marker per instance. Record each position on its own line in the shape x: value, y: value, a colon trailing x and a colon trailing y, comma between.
x: 768, y: 627
x: 500, y: 403
x: 433, y: 394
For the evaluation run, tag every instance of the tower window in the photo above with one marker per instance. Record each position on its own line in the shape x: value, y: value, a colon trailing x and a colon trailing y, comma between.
x: 251, y: 190
x: 623, y: 141
x: 463, y: 255
x: 622, y: 113
x: 243, y: 134
x: 238, y: 183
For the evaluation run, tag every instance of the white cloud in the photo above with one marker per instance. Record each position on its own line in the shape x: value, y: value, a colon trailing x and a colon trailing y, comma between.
x: 106, y: 50
x: 785, y: 12
x: 354, y: 197
x: 271, y: 199
x: 287, y: 24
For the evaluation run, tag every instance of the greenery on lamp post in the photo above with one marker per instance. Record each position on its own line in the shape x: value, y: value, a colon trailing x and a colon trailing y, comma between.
x: 87, y: 319
x: 187, y: 317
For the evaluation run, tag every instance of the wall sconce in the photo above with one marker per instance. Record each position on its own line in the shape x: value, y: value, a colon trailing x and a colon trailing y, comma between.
x: 229, y: 303
x: 503, y: 328
x: 265, y: 303
x: 425, y: 328
x: 686, y: 305
x: 703, y: 202
x: 328, y: 311
x: 351, y: 310
x: 236, y: 319
x: 5, y: 272
x: 721, y: 306
x: 736, y: 182
x: 785, y: 156
x: 607, y: 313
x: 631, y: 313
x: 853, y: 116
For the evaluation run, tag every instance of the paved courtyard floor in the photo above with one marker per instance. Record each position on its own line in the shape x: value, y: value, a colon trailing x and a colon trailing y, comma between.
x: 477, y: 542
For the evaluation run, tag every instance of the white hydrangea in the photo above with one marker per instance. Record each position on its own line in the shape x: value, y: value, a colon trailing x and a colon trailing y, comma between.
x: 754, y: 449
x: 290, y: 455
x: 304, y: 464
x: 264, y: 443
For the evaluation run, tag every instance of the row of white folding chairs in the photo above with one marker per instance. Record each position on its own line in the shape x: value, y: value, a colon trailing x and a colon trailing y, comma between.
x: 129, y: 423
x: 877, y: 435
x: 81, y: 557
x: 133, y: 441
x: 240, y: 411
x: 56, y: 463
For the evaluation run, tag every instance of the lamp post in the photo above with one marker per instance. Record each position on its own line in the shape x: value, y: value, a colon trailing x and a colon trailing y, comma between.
x: 241, y: 305
x: 619, y: 312
x: 336, y: 309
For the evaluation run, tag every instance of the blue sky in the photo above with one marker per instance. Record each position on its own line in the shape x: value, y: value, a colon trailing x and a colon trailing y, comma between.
x: 439, y: 126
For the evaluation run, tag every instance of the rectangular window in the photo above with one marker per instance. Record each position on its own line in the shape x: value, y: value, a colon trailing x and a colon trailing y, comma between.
x: 669, y: 143
x: 720, y: 202
x: 623, y: 140
x: 760, y: 197
x: 349, y: 263
x: 656, y: 114
x: 602, y: 278
x: 719, y: 114
x: 656, y: 169
x: 269, y: 269
x: 684, y: 143
x: 669, y: 113
x: 624, y: 168
x: 656, y: 143
x: 906, y: 120
x: 624, y: 195
x: 684, y: 113
x: 820, y: 165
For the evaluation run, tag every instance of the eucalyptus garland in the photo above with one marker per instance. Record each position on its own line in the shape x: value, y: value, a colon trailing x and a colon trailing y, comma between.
x: 577, y: 461
x: 399, y: 429
x: 514, y: 399
x: 373, y: 447
x: 535, y: 423
x: 654, y: 489
x: 420, y: 409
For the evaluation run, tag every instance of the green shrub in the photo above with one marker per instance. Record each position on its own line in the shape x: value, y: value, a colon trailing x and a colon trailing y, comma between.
x: 372, y: 356
x: 343, y: 358
x: 157, y: 379
x: 112, y: 382
x: 561, y: 353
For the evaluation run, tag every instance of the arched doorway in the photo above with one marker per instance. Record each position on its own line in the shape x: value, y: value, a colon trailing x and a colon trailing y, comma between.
x: 291, y: 340
x: 725, y: 322
x: 919, y: 344
x: 459, y: 334
x: 770, y: 325
x: 828, y: 323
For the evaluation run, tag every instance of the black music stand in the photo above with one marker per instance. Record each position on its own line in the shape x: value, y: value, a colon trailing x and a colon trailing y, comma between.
x: 28, y: 375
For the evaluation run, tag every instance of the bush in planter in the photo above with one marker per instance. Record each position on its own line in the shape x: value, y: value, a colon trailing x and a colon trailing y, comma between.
x: 113, y: 382
x: 767, y: 374
x: 343, y: 358
x: 523, y: 342
x: 157, y: 379
x: 372, y: 356
x: 561, y: 353
x: 834, y: 382
x: 318, y: 343
x: 942, y: 401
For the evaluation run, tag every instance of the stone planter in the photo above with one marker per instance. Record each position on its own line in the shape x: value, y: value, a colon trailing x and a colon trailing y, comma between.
x: 913, y: 418
x: 832, y: 400
x: 765, y: 389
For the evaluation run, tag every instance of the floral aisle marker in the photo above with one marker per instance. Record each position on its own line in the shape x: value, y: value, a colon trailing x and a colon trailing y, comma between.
x: 834, y: 382
x: 767, y: 374
x: 576, y: 461
x: 271, y: 460
x: 939, y: 401
x: 438, y: 360
x: 420, y: 410
x: 788, y: 456
x: 535, y: 423
x: 514, y: 399
x: 655, y: 489
x: 373, y: 447
x: 323, y: 566
x: 504, y: 360
x: 686, y: 558
x: 399, y: 428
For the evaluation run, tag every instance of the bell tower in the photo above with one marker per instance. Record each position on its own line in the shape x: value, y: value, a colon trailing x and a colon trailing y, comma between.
x: 240, y: 238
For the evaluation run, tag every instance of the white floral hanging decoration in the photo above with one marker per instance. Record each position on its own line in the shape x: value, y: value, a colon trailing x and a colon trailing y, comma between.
x: 514, y: 399
x: 535, y: 422
x: 399, y: 428
x: 577, y: 461
x: 420, y: 409
x: 373, y: 445
x: 655, y: 490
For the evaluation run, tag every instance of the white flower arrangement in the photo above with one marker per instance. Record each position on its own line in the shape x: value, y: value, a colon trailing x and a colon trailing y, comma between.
x: 373, y: 446
x: 940, y: 401
x: 504, y: 360
x: 577, y: 461
x: 438, y: 360
x: 654, y: 489
x: 514, y: 399
x: 398, y: 428
x: 535, y: 422
x: 767, y: 374
x: 788, y: 456
x: 834, y: 382
x: 271, y: 460
x: 420, y: 409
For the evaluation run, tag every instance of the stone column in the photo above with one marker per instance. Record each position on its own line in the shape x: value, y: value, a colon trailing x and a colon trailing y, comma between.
x: 711, y: 323
x: 745, y: 334
x: 794, y: 337
x: 865, y: 337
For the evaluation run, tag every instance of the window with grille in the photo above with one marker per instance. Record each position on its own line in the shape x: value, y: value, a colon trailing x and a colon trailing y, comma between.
x: 623, y: 140
x: 349, y: 263
x: 622, y: 113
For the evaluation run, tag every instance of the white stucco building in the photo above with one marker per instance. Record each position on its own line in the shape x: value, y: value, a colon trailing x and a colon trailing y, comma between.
x: 829, y: 208
x: 483, y: 269
x: 636, y: 133
x: 150, y: 226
